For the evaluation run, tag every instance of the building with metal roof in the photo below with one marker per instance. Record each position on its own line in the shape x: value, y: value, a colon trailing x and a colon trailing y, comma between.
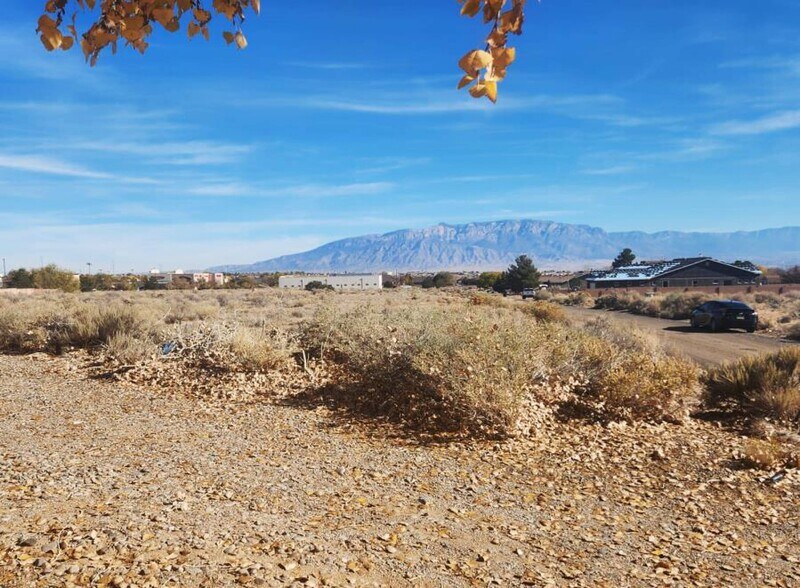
x: 676, y: 273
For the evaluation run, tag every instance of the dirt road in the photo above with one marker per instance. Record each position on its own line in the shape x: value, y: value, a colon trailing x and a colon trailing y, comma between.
x: 704, y: 347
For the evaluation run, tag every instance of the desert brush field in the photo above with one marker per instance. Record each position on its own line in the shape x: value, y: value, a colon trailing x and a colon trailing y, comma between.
x: 394, y: 438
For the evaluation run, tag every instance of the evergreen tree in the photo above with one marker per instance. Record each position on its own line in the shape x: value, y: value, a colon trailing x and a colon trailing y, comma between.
x: 520, y: 275
x: 19, y: 278
x: 625, y: 258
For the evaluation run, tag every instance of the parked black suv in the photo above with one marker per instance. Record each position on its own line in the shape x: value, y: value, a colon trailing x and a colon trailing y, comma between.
x: 725, y: 314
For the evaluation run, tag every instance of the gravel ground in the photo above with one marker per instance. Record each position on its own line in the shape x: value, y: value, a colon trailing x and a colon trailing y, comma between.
x: 109, y: 483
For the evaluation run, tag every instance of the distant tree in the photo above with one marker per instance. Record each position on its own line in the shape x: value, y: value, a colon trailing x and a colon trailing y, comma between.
x: 520, y: 275
x: 133, y: 21
x: 99, y: 282
x: 443, y: 280
x: 152, y: 283
x: 19, y: 278
x: 625, y: 258
x: 51, y: 277
x: 791, y: 275
x: 489, y: 279
x: 317, y: 285
x: 439, y: 280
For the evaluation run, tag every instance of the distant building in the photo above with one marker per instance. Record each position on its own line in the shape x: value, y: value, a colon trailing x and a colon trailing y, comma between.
x: 189, y: 278
x: 337, y: 282
x: 677, y: 273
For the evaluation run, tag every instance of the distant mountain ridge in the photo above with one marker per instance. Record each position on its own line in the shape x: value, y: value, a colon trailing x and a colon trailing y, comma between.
x: 495, y: 244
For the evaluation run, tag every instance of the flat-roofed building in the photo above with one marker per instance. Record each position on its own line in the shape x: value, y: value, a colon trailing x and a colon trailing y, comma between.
x: 337, y: 282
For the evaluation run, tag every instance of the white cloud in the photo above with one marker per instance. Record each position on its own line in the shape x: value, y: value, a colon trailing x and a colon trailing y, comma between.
x: 171, y: 152
x: 610, y: 171
x: 51, y: 166
x: 300, y: 190
x: 780, y: 121
x: 331, y: 65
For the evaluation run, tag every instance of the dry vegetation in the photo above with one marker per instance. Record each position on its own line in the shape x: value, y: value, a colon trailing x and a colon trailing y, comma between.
x: 766, y: 386
x: 778, y: 313
x: 477, y: 438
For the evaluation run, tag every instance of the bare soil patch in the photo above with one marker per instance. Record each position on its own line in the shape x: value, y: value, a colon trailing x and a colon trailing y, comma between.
x: 112, y: 483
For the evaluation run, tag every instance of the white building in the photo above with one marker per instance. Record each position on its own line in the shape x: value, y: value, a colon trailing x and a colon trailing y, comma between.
x: 340, y: 282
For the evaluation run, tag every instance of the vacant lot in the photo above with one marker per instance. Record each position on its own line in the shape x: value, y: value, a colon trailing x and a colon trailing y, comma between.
x: 197, y: 468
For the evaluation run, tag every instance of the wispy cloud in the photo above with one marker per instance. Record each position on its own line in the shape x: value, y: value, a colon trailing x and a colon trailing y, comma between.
x: 50, y: 166
x: 330, y: 65
x: 613, y: 170
x: 312, y: 190
x: 172, y: 153
x: 789, y: 64
x: 389, y: 164
x: 780, y: 121
x: 686, y: 149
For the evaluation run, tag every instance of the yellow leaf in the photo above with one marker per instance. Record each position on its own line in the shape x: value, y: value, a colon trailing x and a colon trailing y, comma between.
x: 241, y: 41
x: 465, y: 81
x: 474, y: 61
x: 478, y: 90
x: 491, y: 90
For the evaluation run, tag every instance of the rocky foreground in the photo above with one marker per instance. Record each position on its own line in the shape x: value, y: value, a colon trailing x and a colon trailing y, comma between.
x: 108, y: 483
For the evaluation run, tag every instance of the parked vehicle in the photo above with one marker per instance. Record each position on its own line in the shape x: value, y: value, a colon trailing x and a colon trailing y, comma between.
x: 724, y: 314
x: 528, y: 293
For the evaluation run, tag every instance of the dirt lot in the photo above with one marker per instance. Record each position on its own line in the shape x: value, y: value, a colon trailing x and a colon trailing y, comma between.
x: 106, y: 483
x: 704, y: 347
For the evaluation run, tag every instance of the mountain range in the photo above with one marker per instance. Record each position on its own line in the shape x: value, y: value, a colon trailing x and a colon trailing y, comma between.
x: 552, y: 245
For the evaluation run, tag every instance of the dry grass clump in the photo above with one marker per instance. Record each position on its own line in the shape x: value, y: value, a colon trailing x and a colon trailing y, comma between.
x: 581, y: 298
x: 53, y: 326
x: 768, y: 454
x: 679, y: 306
x: 625, y: 375
x: 547, y: 312
x: 483, y: 299
x: 438, y: 369
x: 760, y: 386
x: 129, y: 349
x: 675, y: 305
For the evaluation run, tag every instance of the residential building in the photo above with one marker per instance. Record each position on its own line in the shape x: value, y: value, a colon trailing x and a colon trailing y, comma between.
x: 677, y: 273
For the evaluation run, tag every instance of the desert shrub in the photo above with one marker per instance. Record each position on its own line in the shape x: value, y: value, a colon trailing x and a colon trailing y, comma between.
x: 675, y: 305
x: 260, y: 349
x: 793, y: 331
x: 581, y: 298
x: 626, y: 375
x: 769, y: 299
x: 437, y: 369
x: 190, y: 309
x: 680, y: 305
x: 544, y: 294
x: 53, y: 326
x: 547, y: 312
x: 482, y: 299
x: 128, y: 349
x: 760, y: 386
x: 620, y: 301
x: 767, y: 455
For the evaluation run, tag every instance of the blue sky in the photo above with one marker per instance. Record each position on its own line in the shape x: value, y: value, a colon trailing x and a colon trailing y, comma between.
x: 341, y: 118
